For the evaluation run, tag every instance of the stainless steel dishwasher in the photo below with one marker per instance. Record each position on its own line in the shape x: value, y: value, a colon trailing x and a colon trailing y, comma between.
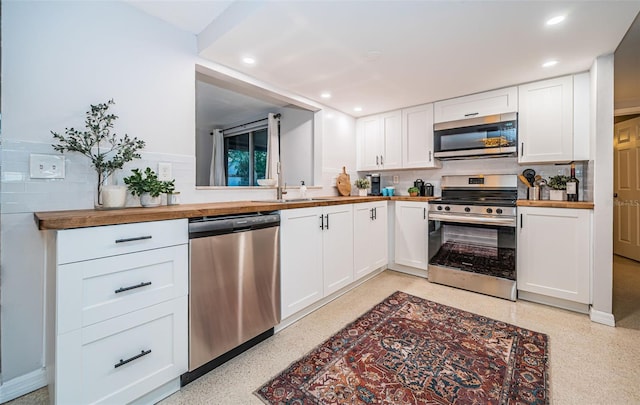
x: 234, y: 287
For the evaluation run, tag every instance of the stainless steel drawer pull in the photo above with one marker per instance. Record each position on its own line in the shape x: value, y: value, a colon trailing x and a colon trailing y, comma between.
x: 133, y: 287
x: 133, y: 239
x: 129, y: 360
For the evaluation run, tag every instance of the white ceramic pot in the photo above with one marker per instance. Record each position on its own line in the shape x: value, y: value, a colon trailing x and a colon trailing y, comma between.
x: 114, y: 196
x: 147, y: 201
x: 558, y: 195
x: 362, y: 192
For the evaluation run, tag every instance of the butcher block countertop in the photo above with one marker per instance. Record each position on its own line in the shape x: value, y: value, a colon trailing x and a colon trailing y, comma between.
x: 587, y: 205
x: 84, y: 218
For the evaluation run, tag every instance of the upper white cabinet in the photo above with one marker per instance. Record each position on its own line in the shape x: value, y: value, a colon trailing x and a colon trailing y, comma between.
x: 417, y: 138
x: 477, y: 105
x: 380, y: 141
x: 545, y: 122
x: 554, y: 253
x: 411, y: 234
x: 369, y: 237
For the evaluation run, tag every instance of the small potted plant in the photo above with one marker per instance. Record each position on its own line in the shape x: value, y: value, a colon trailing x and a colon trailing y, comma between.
x: 413, y: 191
x: 558, y: 187
x: 147, y: 185
x: 362, y: 185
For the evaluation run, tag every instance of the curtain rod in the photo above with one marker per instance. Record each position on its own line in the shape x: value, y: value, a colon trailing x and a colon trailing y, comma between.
x: 248, y: 123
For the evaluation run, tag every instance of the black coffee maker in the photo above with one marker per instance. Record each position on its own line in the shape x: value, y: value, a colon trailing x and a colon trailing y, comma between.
x: 419, y: 184
x: 375, y: 185
x: 426, y: 189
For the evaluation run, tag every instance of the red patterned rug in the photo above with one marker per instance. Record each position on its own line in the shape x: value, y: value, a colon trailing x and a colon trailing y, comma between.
x: 408, y: 350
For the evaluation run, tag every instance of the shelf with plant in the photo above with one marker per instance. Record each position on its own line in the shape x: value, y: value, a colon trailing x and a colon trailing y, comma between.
x: 148, y: 187
x: 106, y: 150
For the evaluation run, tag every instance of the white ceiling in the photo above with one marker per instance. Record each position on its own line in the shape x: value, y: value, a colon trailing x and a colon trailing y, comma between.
x: 385, y: 55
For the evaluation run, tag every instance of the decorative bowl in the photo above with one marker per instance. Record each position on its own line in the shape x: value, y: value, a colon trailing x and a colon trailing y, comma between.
x: 266, y: 182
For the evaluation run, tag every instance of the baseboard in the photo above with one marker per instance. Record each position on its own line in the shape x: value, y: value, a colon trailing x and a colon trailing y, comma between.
x: 412, y: 271
x: 604, y: 318
x: 22, y: 385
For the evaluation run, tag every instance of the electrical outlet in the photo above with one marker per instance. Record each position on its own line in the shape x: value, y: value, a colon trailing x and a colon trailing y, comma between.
x: 396, y: 180
x: 46, y: 166
x: 164, y: 171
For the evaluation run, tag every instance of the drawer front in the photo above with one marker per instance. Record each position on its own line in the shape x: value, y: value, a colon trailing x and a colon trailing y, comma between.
x: 103, y: 241
x: 149, y: 348
x: 96, y: 290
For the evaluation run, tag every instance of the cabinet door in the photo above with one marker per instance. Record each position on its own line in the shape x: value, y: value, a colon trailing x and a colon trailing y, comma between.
x: 411, y: 234
x: 391, y: 123
x: 477, y: 105
x: 545, y: 121
x: 337, y: 242
x: 417, y: 138
x: 301, y: 259
x: 370, y: 237
x: 370, y: 143
x: 554, y: 252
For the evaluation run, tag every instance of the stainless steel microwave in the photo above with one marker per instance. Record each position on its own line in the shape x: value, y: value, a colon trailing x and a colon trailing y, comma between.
x: 490, y: 136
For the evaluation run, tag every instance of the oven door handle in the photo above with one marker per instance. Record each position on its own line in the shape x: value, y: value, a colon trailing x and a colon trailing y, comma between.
x: 463, y: 219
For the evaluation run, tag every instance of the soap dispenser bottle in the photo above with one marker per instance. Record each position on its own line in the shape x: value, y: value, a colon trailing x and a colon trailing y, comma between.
x: 303, y: 190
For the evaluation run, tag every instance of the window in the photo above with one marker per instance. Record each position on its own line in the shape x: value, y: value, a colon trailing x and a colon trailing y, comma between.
x: 246, y: 157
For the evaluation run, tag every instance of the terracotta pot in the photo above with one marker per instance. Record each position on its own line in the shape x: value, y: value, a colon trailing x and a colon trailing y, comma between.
x: 413, y: 194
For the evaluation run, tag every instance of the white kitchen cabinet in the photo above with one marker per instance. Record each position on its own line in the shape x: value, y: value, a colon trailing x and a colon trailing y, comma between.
x: 316, y: 256
x: 380, y: 141
x: 411, y: 234
x: 477, y: 105
x: 545, y: 121
x: 417, y: 138
x: 119, y: 312
x: 554, y: 252
x: 370, y: 237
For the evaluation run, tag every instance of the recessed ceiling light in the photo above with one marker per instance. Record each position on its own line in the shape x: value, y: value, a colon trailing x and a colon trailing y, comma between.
x: 249, y: 60
x: 357, y: 109
x: 550, y: 63
x: 555, y: 20
x: 325, y: 94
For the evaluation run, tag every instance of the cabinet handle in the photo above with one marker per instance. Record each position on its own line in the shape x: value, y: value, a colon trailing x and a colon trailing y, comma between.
x: 133, y: 239
x: 327, y: 216
x: 129, y: 360
x: 375, y: 213
x: 429, y: 156
x: 521, y: 149
x: 133, y: 287
x: 322, y: 222
x: 520, y: 221
x: 471, y: 114
x: 377, y: 161
x: 371, y: 214
x: 424, y: 213
x: 381, y: 161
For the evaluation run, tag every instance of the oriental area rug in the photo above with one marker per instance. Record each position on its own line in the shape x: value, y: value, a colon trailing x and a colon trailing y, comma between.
x: 408, y: 350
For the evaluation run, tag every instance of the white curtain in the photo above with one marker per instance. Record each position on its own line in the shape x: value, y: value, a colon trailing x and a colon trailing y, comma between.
x: 216, y: 175
x: 273, y: 147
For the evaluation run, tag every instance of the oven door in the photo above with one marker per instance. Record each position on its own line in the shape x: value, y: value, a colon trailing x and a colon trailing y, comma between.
x: 473, y: 252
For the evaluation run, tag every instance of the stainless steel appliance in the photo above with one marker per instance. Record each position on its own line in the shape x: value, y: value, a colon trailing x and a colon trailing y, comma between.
x: 490, y: 136
x: 234, y: 287
x: 472, y: 234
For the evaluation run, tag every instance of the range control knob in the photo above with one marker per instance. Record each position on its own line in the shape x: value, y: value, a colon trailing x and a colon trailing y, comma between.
x: 489, y: 210
x: 439, y: 207
x: 499, y: 211
x: 447, y: 208
x: 467, y: 209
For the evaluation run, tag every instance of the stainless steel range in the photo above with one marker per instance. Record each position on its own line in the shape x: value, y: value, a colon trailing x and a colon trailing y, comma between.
x: 472, y: 234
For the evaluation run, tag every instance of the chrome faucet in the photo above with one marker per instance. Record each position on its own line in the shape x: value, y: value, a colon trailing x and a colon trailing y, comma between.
x: 280, y: 191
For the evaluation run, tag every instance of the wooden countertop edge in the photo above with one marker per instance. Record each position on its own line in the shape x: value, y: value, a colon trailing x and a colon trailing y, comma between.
x: 587, y: 205
x: 70, y: 219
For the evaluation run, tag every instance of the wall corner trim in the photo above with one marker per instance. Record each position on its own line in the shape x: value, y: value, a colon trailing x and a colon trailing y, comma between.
x: 22, y: 385
x: 602, y: 317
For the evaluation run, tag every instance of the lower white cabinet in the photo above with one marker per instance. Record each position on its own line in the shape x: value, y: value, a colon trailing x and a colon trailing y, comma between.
x: 554, y: 252
x: 118, y: 316
x: 411, y: 234
x: 316, y: 257
x: 369, y: 237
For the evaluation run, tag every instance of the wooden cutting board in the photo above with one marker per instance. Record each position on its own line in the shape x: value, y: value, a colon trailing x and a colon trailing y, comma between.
x: 343, y: 182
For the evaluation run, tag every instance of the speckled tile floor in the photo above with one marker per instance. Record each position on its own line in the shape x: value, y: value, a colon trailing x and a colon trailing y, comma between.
x: 589, y: 363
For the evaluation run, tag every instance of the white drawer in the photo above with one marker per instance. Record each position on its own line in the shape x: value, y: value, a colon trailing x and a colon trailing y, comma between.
x: 86, y: 373
x: 95, y: 290
x: 102, y: 241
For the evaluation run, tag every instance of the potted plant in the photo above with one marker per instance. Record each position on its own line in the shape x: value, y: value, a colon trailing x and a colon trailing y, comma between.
x: 362, y: 185
x: 148, y: 186
x: 413, y: 191
x: 106, y: 150
x: 558, y: 187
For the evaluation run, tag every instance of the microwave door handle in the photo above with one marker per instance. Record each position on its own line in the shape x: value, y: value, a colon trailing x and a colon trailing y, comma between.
x: 472, y: 220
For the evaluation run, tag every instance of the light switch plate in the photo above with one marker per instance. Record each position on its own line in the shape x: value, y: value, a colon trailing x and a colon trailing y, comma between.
x: 164, y: 171
x: 46, y: 166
